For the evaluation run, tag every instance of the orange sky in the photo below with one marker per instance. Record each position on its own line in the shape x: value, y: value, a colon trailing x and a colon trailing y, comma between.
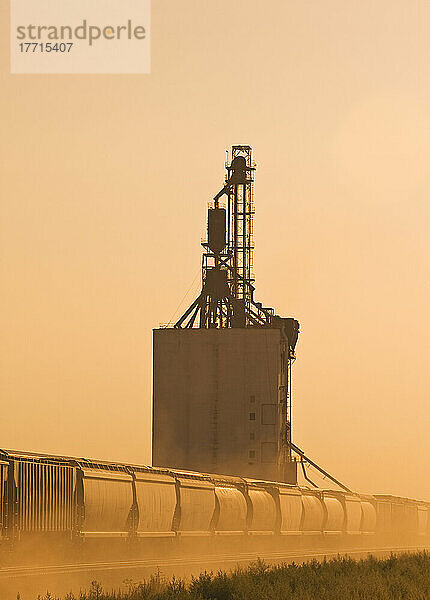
x: 104, y: 184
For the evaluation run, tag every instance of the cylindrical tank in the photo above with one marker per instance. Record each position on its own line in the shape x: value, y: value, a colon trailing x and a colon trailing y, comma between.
x: 216, y: 229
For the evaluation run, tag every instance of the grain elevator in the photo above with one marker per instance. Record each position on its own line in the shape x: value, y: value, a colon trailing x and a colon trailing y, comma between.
x: 222, y: 373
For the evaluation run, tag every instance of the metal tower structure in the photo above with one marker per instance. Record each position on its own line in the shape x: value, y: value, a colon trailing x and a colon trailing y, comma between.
x: 227, y: 296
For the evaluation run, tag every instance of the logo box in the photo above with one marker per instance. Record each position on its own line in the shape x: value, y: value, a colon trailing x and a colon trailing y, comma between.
x: 80, y: 36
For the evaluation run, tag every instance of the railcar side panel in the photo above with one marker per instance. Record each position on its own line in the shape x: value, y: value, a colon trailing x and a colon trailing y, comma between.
x: 290, y: 502
x: 353, y: 515
x: 411, y: 518
x: 335, y: 515
x: 156, y: 502
x: 313, y: 513
x: 232, y: 511
x: 383, y: 517
x: 4, y: 466
x: 44, y: 496
x: 398, y: 520
x: 107, y: 503
x: 368, y: 517
x: 196, y: 506
x: 262, y: 512
x: 423, y: 517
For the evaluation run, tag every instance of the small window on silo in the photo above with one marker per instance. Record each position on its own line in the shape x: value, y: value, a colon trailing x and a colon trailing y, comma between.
x: 252, y: 454
x: 252, y: 436
x: 252, y: 416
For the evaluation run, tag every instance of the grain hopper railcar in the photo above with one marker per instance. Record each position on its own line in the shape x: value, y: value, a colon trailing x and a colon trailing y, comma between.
x: 79, y: 503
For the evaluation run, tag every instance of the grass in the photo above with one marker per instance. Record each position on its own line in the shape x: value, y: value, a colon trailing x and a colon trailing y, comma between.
x: 400, y: 577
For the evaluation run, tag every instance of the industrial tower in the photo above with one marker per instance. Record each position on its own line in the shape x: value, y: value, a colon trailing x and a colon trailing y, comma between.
x: 222, y: 374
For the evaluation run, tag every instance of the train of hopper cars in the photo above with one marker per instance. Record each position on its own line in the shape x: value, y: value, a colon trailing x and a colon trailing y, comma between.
x: 78, y: 501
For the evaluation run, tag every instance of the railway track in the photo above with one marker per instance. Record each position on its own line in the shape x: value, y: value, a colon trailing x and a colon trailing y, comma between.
x: 170, y: 563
